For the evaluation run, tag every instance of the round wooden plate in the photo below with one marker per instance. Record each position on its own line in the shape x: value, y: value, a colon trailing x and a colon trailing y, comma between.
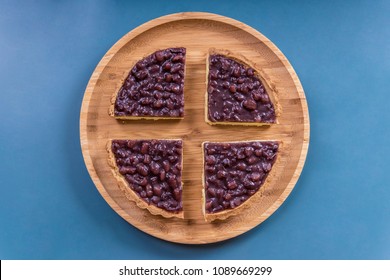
x: 198, y: 32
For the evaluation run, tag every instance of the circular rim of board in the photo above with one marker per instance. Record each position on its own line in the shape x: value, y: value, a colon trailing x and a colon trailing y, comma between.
x: 179, y: 17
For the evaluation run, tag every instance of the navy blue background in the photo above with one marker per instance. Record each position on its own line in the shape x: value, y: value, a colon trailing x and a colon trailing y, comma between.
x: 340, y: 207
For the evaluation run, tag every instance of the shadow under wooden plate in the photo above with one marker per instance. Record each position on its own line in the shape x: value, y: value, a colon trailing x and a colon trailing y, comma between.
x: 198, y: 32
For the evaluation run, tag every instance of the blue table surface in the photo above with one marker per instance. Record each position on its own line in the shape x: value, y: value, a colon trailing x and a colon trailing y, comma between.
x: 49, y: 206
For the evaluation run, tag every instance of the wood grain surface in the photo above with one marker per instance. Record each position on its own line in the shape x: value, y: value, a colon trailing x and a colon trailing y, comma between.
x: 198, y: 32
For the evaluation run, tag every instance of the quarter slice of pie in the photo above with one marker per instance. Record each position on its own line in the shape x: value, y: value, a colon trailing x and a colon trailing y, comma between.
x: 149, y: 173
x: 234, y: 174
x: 235, y: 93
x: 154, y: 88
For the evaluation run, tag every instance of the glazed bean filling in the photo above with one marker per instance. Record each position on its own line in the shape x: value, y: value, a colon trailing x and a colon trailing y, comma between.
x: 235, y: 171
x: 154, y: 87
x: 235, y: 93
x: 153, y: 170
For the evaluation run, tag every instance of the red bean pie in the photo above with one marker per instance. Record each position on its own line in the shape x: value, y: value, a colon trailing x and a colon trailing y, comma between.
x: 233, y: 174
x: 235, y: 93
x: 149, y: 173
x: 154, y: 88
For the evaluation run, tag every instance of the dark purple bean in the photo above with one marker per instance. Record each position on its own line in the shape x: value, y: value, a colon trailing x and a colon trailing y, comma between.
x: 158, y: 104
x: 266, y: 166
x: 154, y: 69
x: 172, y: 159
x: 157, y: 190
x: 167, y: 66
x: 155, y: 168
x: 147, y: 159
x: 143, y: 182
x: 221, y: 174
x: 252, y: 160
x: 162, y: 175
x: 241, y: 166
x: 149, y: 190
x: 210, y: 160
x: 178, y: 58
x: 160, y: 56
x: 208, y: 205
x: 239, y: 97
x: 177, y: 194
x: 166, y: 165
x: 142, y: 169
x: 250, y: 104
x: 176, y: 68
x: 232, y: 185
x: 155, y: 199
x: 211, y: 192
x: 255, y: 176
x: 145, y: 147
x: 176, y: 78
x: 126, y: 170
x: 176, y: 89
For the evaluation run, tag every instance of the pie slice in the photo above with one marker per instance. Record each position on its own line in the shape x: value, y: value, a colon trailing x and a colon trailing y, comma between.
x: 235, y: 94
x: 154, y: 88
x: 149, y: 173
x: 233, y: 175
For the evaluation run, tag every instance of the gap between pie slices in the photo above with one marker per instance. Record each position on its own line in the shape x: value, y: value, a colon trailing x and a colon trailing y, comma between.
x: 149, y: 172
x: 236, y: 93
x: 153, y: 89
x: 234, y: 173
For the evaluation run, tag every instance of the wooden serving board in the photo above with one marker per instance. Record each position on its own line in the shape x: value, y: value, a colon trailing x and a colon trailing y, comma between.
x: 198, y: 32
